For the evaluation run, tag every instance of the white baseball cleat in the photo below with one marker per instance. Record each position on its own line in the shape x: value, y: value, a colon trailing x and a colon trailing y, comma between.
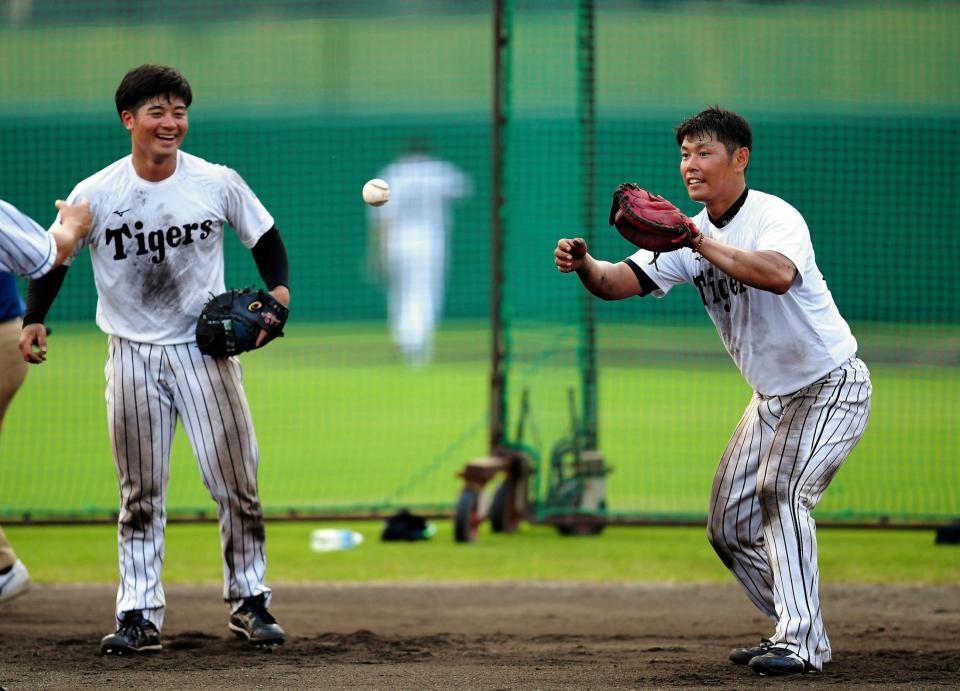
x: 14, y: 582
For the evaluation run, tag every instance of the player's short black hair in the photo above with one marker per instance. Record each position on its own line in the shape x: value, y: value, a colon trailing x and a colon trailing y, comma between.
x: 725, y: 126
x: 147, y: 81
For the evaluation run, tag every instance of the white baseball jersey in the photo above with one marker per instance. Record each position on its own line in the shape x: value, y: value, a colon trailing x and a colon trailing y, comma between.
x: 25, y: 247
x: 810, y: 407
x: 780, y: 343
x: 157, y: 247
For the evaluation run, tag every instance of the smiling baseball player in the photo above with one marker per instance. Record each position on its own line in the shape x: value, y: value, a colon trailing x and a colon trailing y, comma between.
x: 156, y: 245
x: 750, y: 257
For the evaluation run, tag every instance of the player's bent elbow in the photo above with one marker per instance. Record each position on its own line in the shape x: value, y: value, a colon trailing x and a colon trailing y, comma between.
x: 613, y: 296
x: 777, y: 284
x: 784, y: 283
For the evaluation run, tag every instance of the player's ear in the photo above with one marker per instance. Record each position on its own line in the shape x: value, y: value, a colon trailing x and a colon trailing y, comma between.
x: 126, y: 117
x: 741, y: 158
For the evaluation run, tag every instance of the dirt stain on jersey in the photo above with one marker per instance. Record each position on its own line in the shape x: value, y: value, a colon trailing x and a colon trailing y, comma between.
x: 159, y: 288
x: 791, y: 355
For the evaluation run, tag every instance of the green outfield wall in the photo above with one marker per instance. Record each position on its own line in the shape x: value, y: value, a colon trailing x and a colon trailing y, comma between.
x: 850, y: 177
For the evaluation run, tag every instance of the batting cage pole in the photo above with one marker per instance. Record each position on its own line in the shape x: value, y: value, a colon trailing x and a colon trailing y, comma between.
x: 501, y: 103
x: 586, y: 122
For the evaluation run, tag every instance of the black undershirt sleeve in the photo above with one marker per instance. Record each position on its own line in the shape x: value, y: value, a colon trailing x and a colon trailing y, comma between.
x: 647, y: 285
x: 41, y: 292
x: 271, y: 258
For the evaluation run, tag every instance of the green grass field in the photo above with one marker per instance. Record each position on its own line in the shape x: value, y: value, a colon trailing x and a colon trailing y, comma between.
x: 87, y: 554
x: 342, y: 426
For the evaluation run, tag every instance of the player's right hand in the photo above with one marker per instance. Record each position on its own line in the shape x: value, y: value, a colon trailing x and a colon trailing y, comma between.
x: 33, y: 343
x: 570, y: 254
x: 77, y: 217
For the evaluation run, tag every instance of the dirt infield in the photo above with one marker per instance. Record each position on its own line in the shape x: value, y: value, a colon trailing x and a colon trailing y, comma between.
x: 475, y: 636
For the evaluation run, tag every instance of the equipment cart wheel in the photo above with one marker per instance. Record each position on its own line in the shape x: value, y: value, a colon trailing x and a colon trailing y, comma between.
x: 466, y: 517
x: 508, y: 505
x: 498, y: 509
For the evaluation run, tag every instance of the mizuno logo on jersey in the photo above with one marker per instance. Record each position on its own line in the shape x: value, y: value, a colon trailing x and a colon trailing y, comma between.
x: 155, y: 241
x: 121, y: 213
x: 717, y: 287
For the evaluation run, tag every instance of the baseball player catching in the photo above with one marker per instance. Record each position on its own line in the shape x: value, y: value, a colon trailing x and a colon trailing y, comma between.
x: 28, y: 250
x: 750, y: 257
x: 156, y: 244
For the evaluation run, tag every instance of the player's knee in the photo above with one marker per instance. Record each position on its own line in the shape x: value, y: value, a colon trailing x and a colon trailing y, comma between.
x: 771, y: 490
x: 715, y: 520
x: 719, y: 543
x: 715, y: 530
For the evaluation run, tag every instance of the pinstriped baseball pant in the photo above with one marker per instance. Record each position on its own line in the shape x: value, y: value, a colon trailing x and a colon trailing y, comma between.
x: 783, y: 454
x: 13, y: 370
x: 150, y: 387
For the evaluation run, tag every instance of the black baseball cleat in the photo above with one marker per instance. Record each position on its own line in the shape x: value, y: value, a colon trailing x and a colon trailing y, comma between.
x: 778, y: 662
x: 742, y: 656
x: 134, y: 635
x: 253, y: 622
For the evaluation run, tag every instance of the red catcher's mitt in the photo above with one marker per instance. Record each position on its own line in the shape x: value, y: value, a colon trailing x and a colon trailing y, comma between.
x: 650, y: 221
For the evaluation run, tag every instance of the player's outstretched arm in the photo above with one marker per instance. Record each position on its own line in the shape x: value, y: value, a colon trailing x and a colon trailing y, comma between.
x: 75, y: 220
x: 763, y: 269
x: 605, y: 280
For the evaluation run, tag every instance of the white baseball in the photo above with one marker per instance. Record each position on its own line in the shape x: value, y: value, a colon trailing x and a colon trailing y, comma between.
x: 376, y: 192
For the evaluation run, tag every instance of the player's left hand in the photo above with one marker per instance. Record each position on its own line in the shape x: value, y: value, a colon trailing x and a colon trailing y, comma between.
x: 649, y: 221
x: 282, y: 295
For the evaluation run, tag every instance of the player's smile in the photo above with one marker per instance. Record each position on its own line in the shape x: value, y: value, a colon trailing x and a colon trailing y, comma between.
x: 710, y: 173
x: 697, y: 158
x: 157, y: 128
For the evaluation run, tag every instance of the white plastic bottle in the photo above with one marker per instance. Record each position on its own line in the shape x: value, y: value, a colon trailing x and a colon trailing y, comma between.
x: 334, y: 539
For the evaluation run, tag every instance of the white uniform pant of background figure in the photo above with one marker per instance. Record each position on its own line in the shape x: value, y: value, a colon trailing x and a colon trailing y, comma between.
x: 783, y: 454
x: 416, y: 265
x: 148, y: 388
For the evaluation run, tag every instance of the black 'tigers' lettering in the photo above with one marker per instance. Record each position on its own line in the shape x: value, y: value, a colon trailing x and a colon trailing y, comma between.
x: 721, y: 289
x: 156, y: 241
x: 698, y: 281
x: 141, y: 240
x: 188, y: 228
x: 157, y: 245
x: 116, y: 236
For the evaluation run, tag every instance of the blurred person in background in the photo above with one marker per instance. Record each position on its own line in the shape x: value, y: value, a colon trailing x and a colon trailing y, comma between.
x: 409, y: 242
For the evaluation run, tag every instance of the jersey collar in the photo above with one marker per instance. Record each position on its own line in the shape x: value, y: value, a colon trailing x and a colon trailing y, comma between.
x: 728, y: 215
